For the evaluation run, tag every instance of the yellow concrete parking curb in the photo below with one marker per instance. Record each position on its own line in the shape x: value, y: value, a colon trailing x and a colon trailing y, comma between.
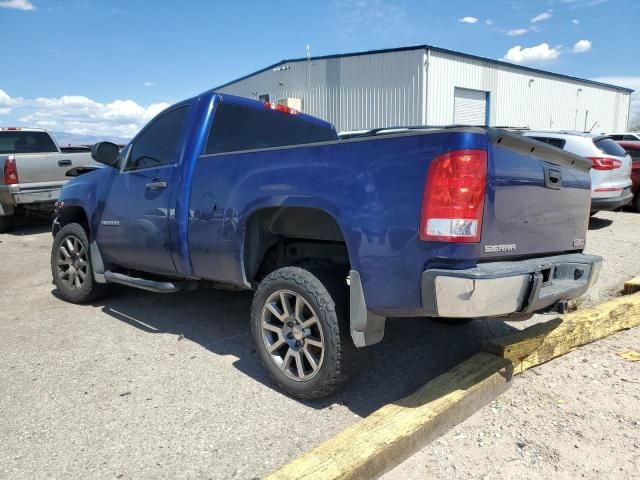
x: 394, y: 432
x: 545, y: 341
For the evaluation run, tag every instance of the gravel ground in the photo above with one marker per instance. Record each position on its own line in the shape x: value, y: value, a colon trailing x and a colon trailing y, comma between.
x: 169, y: 386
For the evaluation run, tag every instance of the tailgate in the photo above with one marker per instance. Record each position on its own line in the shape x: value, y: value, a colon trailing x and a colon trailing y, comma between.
x: 48, y: 167
x: 538, y: 198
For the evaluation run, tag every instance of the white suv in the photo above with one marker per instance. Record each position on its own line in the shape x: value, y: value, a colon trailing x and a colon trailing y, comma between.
x: 611, y: 172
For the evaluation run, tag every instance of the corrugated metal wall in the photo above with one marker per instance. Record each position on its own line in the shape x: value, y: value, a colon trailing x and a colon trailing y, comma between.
x: 366, y: 91
x: 514, y: 100
x: 386, y: 89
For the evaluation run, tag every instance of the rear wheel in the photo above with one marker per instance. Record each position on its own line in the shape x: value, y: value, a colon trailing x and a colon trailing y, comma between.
x: 71, y: 266
x: 301, y: 331
x: 6, y: 223
x: 636, y: 202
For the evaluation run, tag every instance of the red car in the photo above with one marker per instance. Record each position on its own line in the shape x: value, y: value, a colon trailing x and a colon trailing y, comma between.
x: 633, y: 149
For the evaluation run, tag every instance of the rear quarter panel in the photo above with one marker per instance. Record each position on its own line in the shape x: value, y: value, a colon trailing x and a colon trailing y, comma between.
x: 372, y: 188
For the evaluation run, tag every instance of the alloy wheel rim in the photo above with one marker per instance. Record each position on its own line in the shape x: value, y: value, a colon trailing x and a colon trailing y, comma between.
x: 292, y: 335
x: 71, y: 261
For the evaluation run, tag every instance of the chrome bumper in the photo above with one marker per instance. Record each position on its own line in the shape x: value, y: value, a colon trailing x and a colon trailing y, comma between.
x: 502, y: 288
x: 38, y: 196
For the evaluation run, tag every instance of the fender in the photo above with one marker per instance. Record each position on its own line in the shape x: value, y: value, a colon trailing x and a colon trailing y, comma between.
x: 319, y: 204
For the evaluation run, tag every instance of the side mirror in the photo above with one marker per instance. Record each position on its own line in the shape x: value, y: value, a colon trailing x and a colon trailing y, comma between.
x: 105, y: 153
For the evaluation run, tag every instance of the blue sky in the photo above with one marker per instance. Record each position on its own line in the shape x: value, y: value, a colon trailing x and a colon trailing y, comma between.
x: 105, y: 67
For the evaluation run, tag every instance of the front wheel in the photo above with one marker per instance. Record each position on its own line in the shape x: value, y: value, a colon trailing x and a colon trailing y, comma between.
x: 71, y: 266
x: 301, y: 331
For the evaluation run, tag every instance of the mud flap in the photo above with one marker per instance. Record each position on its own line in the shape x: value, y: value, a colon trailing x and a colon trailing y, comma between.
x: 366, y: 328
x: 96, y: 263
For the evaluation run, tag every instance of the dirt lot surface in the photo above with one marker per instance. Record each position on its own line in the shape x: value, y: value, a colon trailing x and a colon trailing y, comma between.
x: 169, y: 386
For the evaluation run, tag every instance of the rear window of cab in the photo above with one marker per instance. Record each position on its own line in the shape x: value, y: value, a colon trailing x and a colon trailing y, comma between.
x: 237, y: 127
x: 26, y: 142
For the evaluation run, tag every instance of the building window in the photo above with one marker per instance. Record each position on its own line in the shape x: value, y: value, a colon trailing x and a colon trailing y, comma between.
x: 264, y: 97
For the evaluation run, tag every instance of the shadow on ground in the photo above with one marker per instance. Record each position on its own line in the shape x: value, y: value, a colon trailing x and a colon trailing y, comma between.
x: 596, y: 223
x: 413, y: 351
x: 31, y: 225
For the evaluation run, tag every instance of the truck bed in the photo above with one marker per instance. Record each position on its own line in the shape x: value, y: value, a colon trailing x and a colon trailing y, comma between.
x: 373, y: 187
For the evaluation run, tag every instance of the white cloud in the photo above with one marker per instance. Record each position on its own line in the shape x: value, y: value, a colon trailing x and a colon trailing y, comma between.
x: 582, y: 46
x: 468, y: 20
x: 575, y: 21
x: 81, y: 115
x: 627, y: 82
x: 5, y: 99
x: 149, y: 84
x: 515, y: 32
x: 541, y: 18
x: 536, y: 54
x: 17, y: 4
x: 488, y: 21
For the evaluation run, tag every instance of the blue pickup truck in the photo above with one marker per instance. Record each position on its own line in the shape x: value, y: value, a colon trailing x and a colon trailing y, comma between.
x: 334, y: 234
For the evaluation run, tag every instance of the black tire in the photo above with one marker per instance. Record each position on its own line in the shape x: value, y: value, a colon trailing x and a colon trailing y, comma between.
x: 636, y: 202
x: 84, y: 289
x: 325, y: 294
x: 6, y: 223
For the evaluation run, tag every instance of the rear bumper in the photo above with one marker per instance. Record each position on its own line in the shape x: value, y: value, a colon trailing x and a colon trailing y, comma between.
x: 611, y: 203
x: 38, y: 196
x: 30, y: 193
x: 502, y: 288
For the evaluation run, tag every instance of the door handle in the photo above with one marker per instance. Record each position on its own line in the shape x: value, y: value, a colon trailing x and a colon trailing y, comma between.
x: 156, y: 185
x: 64, y: 163
x: 552, y: 178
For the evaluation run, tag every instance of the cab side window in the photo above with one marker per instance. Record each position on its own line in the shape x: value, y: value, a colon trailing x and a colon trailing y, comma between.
x: 158, y: 144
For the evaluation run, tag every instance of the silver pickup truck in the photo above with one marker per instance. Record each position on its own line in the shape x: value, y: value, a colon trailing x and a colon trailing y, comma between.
x: 34, y: 169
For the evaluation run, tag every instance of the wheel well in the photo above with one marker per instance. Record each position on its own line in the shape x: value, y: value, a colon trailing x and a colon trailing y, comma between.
x: 74, y: 215
x: 282, y: 236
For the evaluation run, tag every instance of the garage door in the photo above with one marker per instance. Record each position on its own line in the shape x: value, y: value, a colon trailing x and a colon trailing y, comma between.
x: 470, y: 107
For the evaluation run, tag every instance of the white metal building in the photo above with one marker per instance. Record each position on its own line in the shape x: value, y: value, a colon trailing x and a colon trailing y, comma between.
x: 424, y: 85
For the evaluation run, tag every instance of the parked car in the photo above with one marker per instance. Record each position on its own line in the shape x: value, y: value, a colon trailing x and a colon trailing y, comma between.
x: 633, y: 149
x: 627, y: 136
x: 333, y: 235
x: 611, y: 170
x: 34, y: 169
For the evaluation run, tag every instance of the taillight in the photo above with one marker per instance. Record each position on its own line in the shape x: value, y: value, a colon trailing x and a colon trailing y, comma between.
x: 605, y: 163
x: 453, y: 199
x: 10, y: 171
x: 281, y: 108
